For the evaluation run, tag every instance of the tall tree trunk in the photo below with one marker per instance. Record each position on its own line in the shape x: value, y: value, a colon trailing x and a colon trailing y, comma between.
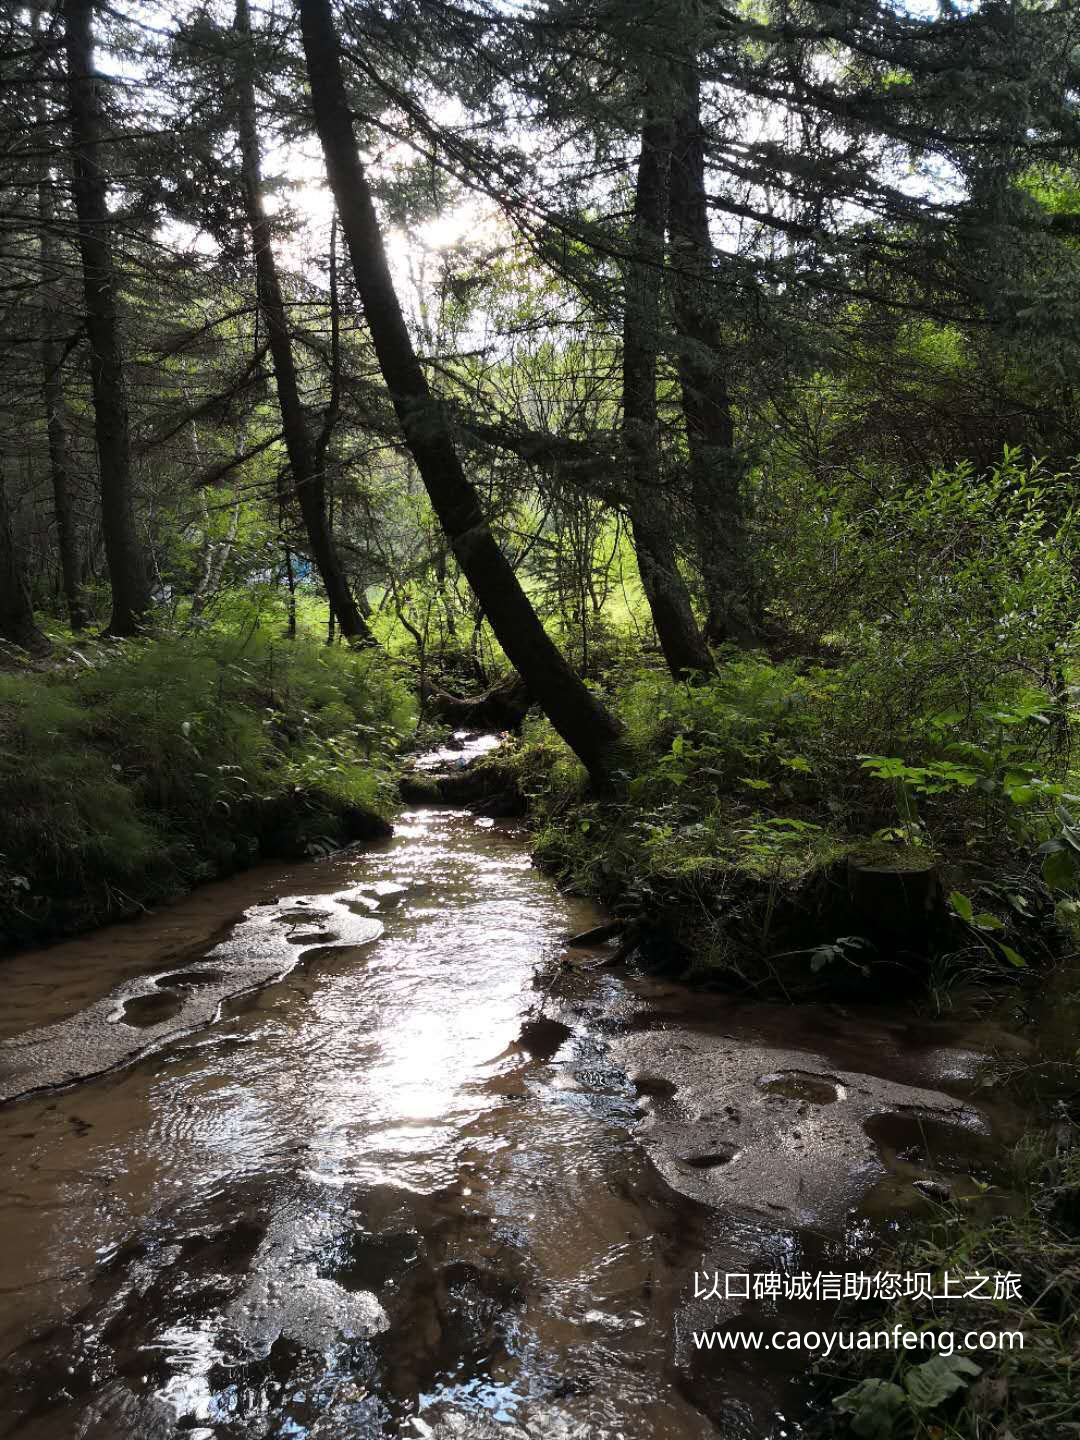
x: 444, y: 596
x: 308, y: 476
x: 330, y: 419
x: 215, y: 557
x: 287, y: 556
x: 52, y: 386
x: 17, y: 623
x: 290, y: 583
x: 124, y: 556
x: 52, y: 389
x: 681, y: 641
x: 584, y: 723
x: 715, y: 468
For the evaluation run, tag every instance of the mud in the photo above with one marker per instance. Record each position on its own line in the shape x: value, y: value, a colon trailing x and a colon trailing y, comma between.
x: 780, y: 1131
x: 150, y: 1011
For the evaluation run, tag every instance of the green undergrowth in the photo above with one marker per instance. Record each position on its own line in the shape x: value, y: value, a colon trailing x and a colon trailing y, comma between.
x: 1029, y: 1391
x: 131, y: 770
x: 749, y: 792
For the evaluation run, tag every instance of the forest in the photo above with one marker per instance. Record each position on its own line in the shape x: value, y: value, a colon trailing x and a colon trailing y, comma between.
x: 684, y: 392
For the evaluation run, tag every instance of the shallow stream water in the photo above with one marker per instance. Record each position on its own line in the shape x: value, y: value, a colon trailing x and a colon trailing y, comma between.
x: 364, y: 1161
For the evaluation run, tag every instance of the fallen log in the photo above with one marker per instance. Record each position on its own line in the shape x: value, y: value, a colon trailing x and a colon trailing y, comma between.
x: 503, y: 707
x: 598, y: 934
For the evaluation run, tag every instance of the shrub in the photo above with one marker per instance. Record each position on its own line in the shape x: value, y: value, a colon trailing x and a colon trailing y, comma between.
x: 134, y: 768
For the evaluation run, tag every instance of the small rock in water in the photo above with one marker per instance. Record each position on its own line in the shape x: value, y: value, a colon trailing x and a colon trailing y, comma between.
x: 932, y: 1189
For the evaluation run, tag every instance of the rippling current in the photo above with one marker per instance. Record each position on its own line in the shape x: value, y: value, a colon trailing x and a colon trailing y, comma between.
x: 379, y: 1197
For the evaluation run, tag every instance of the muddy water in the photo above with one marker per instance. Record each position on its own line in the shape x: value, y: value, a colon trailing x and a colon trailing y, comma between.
x: 406, y: 1188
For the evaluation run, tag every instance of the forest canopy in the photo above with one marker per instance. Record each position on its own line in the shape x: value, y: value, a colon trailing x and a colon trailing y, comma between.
x: 560, y: 336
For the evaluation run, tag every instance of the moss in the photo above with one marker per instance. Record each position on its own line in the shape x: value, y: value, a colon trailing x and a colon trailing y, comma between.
x: 894, y: 856
x: 419, y: 788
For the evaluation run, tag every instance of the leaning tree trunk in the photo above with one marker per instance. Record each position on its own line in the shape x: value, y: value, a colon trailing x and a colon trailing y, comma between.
x: 52, y: 386
x: 586, y: 725
x: 124, y: 556
x: 17, y: 623
x: 715, y: 470
x: 681, y: 641
x: 304, y: 459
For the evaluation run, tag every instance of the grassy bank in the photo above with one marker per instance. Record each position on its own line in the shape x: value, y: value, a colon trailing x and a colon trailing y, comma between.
x: 132, y: 770
x: 753, y: 792
x: 1029, y: 1391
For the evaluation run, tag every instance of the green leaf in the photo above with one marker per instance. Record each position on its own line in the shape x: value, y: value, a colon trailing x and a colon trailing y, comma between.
x: 1021, y: 794
x: 888, y: 767
x: 936, y: 1379
x: 1059, y: 869
x: 874, y: 1406
x: 1012, y: 956
x: 986, y: 921
x: 962, y: 906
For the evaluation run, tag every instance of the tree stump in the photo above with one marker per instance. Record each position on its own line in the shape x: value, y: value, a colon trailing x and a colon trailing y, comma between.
x: 894, y: 893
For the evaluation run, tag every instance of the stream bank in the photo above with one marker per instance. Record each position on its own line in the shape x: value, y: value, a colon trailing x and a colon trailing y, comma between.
x: 134, y: 770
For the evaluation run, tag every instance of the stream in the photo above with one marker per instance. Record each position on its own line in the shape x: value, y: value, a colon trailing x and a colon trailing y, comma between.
x: 338, y: 1149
